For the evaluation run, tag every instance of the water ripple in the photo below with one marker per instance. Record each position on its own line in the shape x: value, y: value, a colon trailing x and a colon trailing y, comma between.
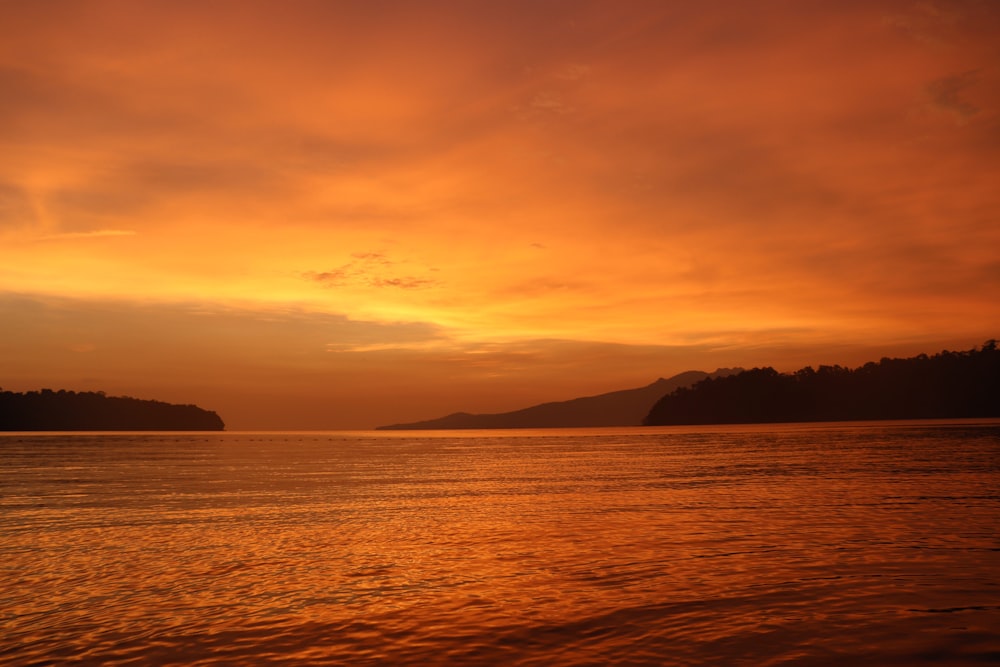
x: 824, y: 545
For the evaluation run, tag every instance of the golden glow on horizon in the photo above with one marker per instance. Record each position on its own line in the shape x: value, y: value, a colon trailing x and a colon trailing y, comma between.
x: 786, y: 178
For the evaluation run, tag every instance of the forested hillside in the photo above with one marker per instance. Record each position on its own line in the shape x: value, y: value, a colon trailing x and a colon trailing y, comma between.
x: 945, y: 385
x: 48, y: 410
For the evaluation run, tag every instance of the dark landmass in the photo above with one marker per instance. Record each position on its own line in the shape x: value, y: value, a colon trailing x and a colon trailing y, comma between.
x: 617, y: 408
x: 947, y: 385
x: 48, y: 410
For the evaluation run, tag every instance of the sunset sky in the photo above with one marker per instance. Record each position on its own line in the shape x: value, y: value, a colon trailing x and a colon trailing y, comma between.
x: 319, y: 214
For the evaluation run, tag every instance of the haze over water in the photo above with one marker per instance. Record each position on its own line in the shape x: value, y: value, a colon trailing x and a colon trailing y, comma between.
x: 870, y: 543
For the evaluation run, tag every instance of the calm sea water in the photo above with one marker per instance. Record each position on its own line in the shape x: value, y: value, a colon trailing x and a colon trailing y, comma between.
x: 862, y: 544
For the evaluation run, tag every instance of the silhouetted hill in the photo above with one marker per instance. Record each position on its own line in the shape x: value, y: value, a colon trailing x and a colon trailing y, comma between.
x: 946, y: 385
x: 48, y: 410
x: 617, y: 408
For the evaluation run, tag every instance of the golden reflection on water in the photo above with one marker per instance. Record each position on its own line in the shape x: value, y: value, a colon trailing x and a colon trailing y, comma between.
x: 823, y: 545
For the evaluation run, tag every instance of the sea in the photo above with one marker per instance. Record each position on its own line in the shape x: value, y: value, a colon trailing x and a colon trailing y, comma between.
x: 874, y: 543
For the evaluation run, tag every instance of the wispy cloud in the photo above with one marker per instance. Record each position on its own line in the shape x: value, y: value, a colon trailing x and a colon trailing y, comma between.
x: 407, y: 282
x: 351, y: 275
x: 371, y: 269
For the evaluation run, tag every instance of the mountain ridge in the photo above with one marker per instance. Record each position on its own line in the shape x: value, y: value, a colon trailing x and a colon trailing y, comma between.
x: 625, y: 407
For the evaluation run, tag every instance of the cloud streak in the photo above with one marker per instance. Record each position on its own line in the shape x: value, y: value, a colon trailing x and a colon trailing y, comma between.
x: 92, y: 234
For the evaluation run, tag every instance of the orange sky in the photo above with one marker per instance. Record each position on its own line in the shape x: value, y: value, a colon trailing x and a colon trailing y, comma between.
x: 310, y: 214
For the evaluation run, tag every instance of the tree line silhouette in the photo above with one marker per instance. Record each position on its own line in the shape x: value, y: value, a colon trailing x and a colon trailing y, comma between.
x: 945, y: 385
x: 62, y: 410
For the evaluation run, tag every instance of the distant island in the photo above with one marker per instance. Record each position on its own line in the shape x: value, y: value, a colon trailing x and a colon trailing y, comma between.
x: 48, y: 410
x: 945, y: 385
x: 618, y: 408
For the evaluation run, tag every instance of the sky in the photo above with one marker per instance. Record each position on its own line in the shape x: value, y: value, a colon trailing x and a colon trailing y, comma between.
x: 310, y: 214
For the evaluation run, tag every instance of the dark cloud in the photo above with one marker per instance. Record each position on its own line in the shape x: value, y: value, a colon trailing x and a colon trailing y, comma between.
x: 946, y: 94
x: 136, y: 192
x: 63, y: 106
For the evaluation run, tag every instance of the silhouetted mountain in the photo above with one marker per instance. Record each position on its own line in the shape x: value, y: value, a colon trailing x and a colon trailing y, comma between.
x: 946, y: 385
x: 617, y: 408
x: 48, y: 410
